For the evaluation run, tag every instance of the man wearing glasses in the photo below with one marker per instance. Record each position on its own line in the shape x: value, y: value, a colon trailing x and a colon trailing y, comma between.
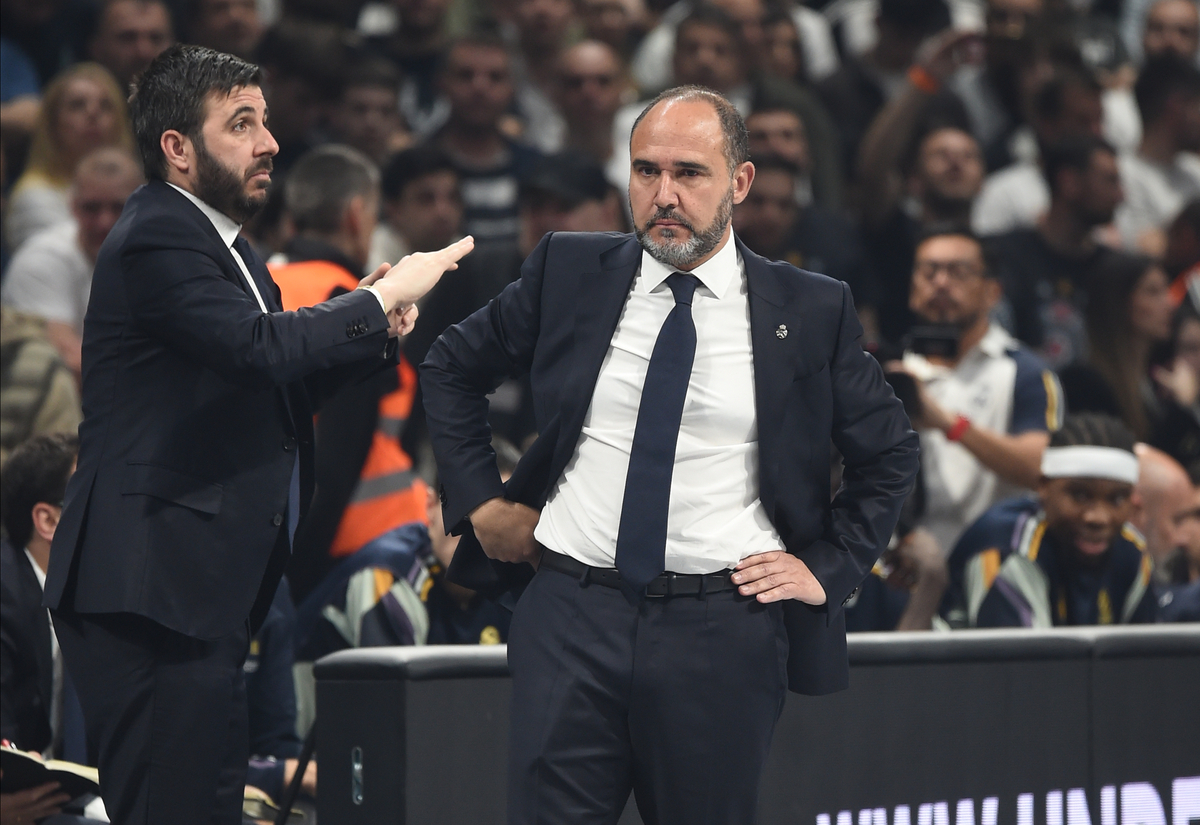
x: 987, y: 403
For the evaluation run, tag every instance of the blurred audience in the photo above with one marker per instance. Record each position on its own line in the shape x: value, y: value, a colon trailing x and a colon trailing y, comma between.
x: 477, y: 80
x: 225, y: 25
x: 417, y: 45
x: 1164, y: 174
x: 542, y: 28
x: 1067, y: 556
x: 38, y: 393
x: 1066, y: 106
x: 1046, y: 270
x: 82, y: 109
x: 616, y: 23
x: 129, y: 34
x: 985, y: 404
x: 590, y: 85
x: 51, y: 274
x: 911, y: 183
x: 422, y: 205
x: 904, y: 589
x: 367, y: 116
x: 1179, y: 590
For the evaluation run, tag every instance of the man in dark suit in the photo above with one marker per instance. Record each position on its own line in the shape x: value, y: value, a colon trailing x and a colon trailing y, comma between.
x: 195, y: 449
x: 690, y: 564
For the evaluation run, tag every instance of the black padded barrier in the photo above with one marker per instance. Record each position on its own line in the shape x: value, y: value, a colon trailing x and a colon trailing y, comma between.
x: 1086, y: 726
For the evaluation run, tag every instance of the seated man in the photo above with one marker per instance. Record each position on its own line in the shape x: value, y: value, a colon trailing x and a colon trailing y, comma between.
x: 1067, y: 556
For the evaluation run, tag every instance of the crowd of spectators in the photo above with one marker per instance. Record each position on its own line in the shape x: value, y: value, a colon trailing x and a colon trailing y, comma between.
x: 1011, y: 188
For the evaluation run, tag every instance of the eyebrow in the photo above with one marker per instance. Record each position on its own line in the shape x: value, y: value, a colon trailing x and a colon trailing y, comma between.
x: 682, y: 164
x: 241, y: 110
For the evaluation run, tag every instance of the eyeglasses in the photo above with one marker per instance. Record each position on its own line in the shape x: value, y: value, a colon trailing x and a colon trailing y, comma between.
x: 959, y: 271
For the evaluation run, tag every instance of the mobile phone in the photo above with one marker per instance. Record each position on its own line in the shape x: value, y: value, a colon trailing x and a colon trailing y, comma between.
x: 939, y: 341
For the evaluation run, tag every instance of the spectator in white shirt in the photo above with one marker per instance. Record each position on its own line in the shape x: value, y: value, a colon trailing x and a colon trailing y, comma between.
x: 51, y: 274
x: 987, y: 403
x: 1164, y: 174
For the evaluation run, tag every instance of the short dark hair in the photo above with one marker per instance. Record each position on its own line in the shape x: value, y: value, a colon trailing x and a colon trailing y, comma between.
x: 713, y: 17
x: 475, y: 40
x: 1049, y: 100
x: 737, y: 140
x: 372, y: 72
x: 172, y: 93
x: 412, y: 164
x: 1073, y: 153
x: 1161, y: 79
x: 955, y: 229
x: 323, y: 181
x: 1093, y: 430
x: 36, y: 472
x: 917, y: 16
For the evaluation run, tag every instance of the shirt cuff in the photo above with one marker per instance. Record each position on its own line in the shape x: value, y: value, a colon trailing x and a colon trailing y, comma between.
x: 378, y: 296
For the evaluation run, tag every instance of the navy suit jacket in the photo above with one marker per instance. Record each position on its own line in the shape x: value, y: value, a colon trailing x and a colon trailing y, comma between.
x: 813, y: 384
x: 195, y: 403
x: 26, y: 657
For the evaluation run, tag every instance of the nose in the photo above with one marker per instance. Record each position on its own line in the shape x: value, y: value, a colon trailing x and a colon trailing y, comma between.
x: 268, y: 146
x: 665, y: 195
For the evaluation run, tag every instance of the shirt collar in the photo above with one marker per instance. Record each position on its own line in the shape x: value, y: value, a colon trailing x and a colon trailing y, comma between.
x: 226, y: 227
x: 716, y: 274
x: 37, y: 571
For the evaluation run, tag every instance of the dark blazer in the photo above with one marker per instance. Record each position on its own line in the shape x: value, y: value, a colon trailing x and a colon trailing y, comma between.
x: 195, y: 404
x: 26, y: 664
x: 813, y: 383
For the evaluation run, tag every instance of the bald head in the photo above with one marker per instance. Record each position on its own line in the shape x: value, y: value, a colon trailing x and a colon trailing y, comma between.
x: 732, y: 126
x: 103, y: 181
x: 1164, y: 490
x: 589, y: 84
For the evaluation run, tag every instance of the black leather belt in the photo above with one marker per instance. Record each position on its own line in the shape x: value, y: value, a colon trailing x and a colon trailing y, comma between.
x: 664, y: 585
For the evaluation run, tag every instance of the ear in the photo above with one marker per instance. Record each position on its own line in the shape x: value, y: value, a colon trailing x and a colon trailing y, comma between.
x: 45, y: 520
x: 743, y: 177
x: 353, y: 215
x: 178, y: 150
x: 993, y: 292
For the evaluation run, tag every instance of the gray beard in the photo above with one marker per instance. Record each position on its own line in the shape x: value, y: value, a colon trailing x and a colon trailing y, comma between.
x: 685, y: 254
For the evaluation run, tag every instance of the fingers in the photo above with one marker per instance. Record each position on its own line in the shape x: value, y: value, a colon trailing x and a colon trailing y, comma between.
x: 457, y: 250
x: 379, y: 272
x: 759, y: 558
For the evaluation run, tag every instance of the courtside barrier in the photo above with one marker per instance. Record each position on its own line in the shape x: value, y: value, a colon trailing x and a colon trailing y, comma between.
x: 1081, y: 726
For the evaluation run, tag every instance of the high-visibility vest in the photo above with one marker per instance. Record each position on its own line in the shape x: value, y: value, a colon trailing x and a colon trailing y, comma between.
x: 389, y: 492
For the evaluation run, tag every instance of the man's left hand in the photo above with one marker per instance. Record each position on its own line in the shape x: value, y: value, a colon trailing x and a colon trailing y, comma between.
x: 402, y: 322
x: 775, y: 576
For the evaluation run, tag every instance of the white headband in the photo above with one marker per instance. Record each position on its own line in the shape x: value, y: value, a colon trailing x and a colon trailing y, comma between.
x: 1090, y: 462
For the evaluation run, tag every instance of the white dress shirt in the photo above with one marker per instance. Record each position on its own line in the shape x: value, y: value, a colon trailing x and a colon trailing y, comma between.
x: 56, y: 675
x: 715, y: 517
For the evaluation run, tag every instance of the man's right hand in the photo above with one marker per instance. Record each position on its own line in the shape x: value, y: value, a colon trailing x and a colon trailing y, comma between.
x: 408, y: 281
x: 505, y: 530
x: 28, y: 806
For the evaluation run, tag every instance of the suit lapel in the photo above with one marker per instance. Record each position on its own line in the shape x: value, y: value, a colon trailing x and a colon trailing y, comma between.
x: 602, y: 295
x: 776, y: 338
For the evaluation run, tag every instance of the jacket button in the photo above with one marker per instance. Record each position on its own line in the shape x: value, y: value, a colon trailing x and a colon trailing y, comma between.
x: 278, y: 520
x: 289, y: 444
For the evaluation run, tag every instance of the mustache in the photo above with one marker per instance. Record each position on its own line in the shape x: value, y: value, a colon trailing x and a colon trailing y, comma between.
x: 667, y: 214
x: 264, y: 165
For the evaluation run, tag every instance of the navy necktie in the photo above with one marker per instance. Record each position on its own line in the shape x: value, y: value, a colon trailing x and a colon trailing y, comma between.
x: 642, y: 535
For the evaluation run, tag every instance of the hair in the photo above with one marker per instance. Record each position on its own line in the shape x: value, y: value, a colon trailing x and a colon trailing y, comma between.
x: 1093, y: 430
x: 713, y: 17
x: 1074, y: 153
x: 475, y: 40
x: 373, y: 72
x: 954, y: 229
x: 105, y: 5
x: 412, y: 164
x: 45, y: 155
x: 737, y: 140
x: 918, y: 16
x: 321, y: 184
x: 109, y: 162
x: 1161, y: 79
x: 1050, y: 98
x: 36, y: 472
x: 173, y: 92
x: 1109, y: 329
x: 308, y: 50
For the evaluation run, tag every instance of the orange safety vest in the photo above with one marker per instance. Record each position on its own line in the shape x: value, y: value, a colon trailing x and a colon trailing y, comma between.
x: 389, y: 492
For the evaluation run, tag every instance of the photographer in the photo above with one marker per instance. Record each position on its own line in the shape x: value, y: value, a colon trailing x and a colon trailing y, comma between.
x: 984, y: 405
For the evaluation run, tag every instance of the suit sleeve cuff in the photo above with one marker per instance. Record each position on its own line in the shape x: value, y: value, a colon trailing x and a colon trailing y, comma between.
x: 378, y: 297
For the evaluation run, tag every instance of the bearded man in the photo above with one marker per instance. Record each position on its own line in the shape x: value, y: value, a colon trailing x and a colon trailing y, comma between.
x: 195, y: 459
x: 690, y: 565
